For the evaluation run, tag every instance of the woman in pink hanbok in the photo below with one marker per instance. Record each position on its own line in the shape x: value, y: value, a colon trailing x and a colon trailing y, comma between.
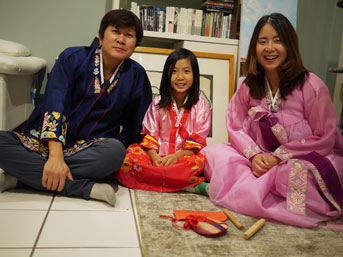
x: 285, y: 156
x: 175, y: 128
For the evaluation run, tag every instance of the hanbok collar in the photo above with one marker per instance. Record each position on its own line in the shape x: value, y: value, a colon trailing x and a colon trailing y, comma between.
x: 99, y: 75
x: 179, y: 114
x: 273, y: 102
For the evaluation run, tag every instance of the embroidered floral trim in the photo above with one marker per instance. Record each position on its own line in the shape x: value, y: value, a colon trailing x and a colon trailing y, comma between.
x: 191, y: 144
x: 282, y: 154
x: 252, y: 111
x: 97, y: 75
x: 97, y: 88
x: 80, y: 145
x: 196, y: 163
x: 280, y: 133
x: 51, y: 122
x: 297, y: 185
x: 135, y: 160
x: 251, y: 150
x: 273, y: 107
x: 115, y: 81
x: 150, y: 142
x: 32, y: 143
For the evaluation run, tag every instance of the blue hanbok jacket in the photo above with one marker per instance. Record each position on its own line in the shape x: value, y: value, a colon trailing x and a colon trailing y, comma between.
x: 78, y: 110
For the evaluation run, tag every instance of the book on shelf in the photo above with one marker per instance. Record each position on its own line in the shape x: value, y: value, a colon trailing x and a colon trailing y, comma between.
x: 188, y: 21
x: 153, y: 19
x: 217, y: 6
x: 221, y: 1
x: 218, y: 3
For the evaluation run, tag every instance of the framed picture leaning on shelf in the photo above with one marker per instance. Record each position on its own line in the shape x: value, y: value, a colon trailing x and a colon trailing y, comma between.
x: 216, y: 82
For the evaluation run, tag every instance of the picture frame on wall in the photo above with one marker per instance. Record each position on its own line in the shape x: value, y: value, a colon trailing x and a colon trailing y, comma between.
x: 216, y: 82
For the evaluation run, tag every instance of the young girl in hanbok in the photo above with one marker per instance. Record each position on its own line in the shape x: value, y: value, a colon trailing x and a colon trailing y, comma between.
x: 285, y: 156
x: 175, y: 128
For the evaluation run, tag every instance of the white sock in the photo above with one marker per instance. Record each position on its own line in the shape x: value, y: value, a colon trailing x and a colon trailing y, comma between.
x: 103, y: 192
x: 7, y: 182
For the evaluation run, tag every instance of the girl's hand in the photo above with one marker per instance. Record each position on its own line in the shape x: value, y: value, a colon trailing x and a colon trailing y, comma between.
x: 170, y: 159
x: 156, y: 159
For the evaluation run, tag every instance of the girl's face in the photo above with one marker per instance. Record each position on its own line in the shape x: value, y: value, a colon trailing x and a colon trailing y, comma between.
x: 182, y: 77
x: 270, y: 51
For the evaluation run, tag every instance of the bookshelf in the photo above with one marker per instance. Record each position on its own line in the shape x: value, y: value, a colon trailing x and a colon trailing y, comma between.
x: 195, y: 5
x: 191, y: 42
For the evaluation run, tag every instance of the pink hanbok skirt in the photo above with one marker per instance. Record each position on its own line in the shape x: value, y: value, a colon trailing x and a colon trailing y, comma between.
x: 291, y: 192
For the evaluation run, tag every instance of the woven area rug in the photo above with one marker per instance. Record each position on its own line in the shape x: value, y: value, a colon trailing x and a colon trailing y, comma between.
x: 160, y: 238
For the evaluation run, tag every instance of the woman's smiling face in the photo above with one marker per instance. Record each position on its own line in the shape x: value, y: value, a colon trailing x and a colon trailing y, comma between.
x: 270, y: 51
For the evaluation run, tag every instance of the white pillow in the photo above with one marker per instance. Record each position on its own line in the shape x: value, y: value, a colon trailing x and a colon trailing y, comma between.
x: 13, y: 49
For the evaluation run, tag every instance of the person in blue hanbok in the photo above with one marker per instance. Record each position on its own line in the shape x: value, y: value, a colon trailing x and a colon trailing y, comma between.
x: 93, y: 107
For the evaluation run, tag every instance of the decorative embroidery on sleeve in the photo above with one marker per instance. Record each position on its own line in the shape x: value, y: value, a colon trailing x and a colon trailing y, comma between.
x: 194, y: 141
x: 150, y: 142
x: 280, y: 133
x: 251, y: 150
x: 192, y: 144
x: 282, y: 154
x: 252, y: 111
x: 51, y: 123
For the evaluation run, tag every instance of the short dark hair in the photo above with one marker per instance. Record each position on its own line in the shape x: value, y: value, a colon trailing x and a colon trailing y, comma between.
x: 121, y: 18
x: 165, y: 88
x: 292, y: 72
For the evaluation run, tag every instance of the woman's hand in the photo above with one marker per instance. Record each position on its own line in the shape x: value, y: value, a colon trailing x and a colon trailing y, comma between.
x: 272, y: 161
x: 261, y: 163
x: 55, y: 169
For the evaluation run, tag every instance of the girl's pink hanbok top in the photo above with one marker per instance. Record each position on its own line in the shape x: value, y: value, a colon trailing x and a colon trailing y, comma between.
x: 168, y: 131
x: 192, y: 134
x: 306, y: 186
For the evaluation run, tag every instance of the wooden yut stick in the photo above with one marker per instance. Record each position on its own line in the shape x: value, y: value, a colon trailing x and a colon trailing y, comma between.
x: 233, y: 219
x: 254, y: 228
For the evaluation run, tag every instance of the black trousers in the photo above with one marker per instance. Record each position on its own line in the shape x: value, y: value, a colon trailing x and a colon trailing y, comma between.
x: 87, y: 166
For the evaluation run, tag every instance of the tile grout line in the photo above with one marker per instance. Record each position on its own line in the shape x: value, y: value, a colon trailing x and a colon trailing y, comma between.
x: 42, y: 226
x: 136, y: 220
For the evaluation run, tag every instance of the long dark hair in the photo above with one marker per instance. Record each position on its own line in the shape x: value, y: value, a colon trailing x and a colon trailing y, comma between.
x: 292, y: 72
x: 165, y: 88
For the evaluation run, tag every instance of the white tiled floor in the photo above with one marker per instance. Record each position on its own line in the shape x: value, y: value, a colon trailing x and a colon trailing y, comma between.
x: 42, y: 224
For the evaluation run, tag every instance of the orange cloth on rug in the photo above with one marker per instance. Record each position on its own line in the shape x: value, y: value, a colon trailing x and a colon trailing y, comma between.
x: 182, y: 214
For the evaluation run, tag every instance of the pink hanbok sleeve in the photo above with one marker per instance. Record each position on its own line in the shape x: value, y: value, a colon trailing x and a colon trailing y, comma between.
x: 237, y: 123
x: 321, y: 117
x: 201, y: 126
x: 150, y: 127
